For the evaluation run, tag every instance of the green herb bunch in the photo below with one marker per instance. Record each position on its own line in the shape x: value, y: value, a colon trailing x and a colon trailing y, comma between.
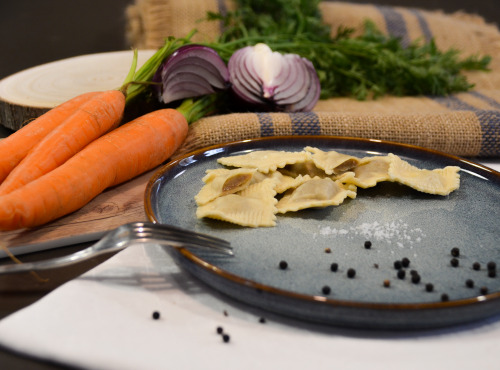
x: 365, y: 66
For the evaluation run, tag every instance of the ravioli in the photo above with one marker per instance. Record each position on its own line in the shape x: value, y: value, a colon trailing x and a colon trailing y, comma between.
x: 222, y: 182
x: 332, y: 162
x: 261, y: 190
x: 253, y: 207
x: 306, y: 168
x: 317, y: 192
x: 440, y: 181
x: 264, y: 161
x: 283, y: 183
x: 369, y: 172
x: 265, y: 183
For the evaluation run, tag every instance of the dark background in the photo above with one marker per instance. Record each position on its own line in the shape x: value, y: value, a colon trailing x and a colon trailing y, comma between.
x: 34, y: 32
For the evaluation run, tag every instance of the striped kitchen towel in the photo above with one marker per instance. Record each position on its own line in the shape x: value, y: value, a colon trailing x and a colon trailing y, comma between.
x: 465, y: 124
x: 467, y: 133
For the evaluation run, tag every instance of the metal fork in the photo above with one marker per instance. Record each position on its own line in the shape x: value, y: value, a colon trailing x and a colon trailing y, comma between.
x: 122, y: 236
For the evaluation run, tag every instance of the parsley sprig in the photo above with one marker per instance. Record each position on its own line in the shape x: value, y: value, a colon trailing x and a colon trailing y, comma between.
x: 366, y: 66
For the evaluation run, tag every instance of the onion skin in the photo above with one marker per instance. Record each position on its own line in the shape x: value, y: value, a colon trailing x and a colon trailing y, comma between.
x: 271, y: 81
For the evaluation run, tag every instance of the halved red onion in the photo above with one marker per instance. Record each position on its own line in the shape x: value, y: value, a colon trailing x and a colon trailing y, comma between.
x: 191, y: 71
x: 285, y: 82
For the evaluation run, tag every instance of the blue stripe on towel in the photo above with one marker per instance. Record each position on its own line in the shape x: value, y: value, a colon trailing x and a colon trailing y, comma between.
x: 494, y: 103
x: 305, y: 123
x: 453, y: 103
x: 395, y: 23
x: 422, y: 22
x: 490, y: 128
x: 489, y: 121
x: 266, y: 124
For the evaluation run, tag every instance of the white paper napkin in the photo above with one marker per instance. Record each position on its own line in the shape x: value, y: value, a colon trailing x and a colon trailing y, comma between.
x: 103, y: 320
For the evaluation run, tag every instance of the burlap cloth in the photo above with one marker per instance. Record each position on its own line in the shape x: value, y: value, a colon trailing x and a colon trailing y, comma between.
x: 465, y: 124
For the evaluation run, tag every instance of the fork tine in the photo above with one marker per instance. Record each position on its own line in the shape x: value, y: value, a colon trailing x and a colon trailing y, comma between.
x: 174, y: 230
x: 182, y: 241
x: 166, y: 234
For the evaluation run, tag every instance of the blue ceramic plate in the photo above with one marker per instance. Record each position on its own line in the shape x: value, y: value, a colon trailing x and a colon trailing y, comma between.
x: 400, y: 223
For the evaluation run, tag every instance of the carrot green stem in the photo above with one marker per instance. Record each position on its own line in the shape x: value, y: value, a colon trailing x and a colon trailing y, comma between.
x: 132, y: 70
x: 194, y: 109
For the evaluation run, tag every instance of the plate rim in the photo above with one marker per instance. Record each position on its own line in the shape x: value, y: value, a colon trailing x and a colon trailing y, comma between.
x: 317, y: 299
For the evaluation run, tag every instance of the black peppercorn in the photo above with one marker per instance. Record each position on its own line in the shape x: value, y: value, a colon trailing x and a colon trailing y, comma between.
x: 401, y: 274
x: 326, y: 289
x: 413, y: 272
x: 351, y: 273
x: 225, y: 338
x: 156, y: 315
x: 415, y: 279
x: 476, y: 266
x: 483, y: 290
x: 283, y: 265
x: 469, y: 283
x: 445, y: 297
x: 405, y: 262
x: 262, y: 320
x: 455, y: 252
x: 220, y: 330
x: 492, y: 273
x: 398, y: 265
x: 334, y: 267
x: 454, y: 262
x: 491, y: 265
x: 368, y: 244
x: 429, y: 287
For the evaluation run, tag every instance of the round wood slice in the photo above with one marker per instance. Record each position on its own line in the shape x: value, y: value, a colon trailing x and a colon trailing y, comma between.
x: 28, y: 94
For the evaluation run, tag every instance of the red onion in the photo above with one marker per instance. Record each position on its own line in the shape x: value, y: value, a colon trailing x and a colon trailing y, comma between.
x: 191, y: 71
x: 263, y: 78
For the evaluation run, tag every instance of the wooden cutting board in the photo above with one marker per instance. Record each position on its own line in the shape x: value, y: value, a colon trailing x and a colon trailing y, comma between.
x: 27, y: 94
x: 112, y: 208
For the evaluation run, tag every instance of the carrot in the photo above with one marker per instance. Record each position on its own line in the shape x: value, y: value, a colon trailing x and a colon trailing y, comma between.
x: 92, y: 119
x: 118, y: 156
x: 17, y: 145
